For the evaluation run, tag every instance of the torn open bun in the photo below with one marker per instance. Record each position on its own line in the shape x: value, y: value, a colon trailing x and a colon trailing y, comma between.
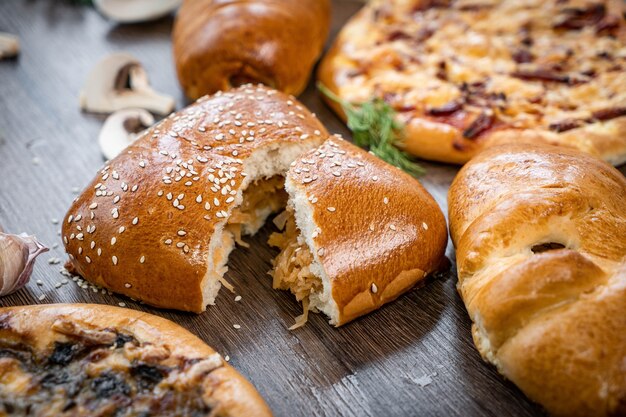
x: 160, y: 220
x: 358, y: 232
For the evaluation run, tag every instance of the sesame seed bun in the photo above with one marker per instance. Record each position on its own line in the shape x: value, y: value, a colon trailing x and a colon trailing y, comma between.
x: 40, y: 327
x: 151, y: 225
x: 373, y: 230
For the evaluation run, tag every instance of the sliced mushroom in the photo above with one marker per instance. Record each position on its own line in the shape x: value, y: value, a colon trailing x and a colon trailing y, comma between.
x: 132, y: 11
x: 121, y: 128
x: 119, y: 82
x: 9, y: 45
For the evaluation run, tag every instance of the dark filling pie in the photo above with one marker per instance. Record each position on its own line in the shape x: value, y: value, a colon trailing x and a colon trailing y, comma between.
x: 112, y: 374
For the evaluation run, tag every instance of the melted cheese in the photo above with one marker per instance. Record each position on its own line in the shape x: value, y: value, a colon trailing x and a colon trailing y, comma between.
x: 395, y: 49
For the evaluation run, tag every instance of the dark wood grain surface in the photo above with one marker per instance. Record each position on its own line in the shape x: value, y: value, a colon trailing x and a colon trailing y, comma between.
x: 413, y: 357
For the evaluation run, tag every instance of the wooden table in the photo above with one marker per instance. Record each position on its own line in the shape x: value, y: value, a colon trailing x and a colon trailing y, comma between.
x: 413, y: 357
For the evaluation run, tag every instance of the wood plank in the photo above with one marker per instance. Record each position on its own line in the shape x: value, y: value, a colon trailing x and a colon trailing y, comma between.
x: 413, y: 357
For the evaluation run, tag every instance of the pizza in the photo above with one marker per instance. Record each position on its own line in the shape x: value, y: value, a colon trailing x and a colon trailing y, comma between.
x: 94, y: 360
x: 464, y: 75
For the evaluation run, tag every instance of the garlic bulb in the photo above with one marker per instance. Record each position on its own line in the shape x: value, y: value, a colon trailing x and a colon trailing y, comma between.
x: 17, y: 257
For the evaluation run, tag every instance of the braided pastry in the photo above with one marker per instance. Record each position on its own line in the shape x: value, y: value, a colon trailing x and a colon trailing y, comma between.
x: 540, y: 235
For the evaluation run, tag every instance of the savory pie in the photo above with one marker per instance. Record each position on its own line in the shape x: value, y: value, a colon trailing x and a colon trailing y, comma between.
x: 464, y: 75
x: 94, y: 360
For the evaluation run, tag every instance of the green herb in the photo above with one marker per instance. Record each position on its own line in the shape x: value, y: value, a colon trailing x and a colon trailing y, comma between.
x: 82, y: 2
x: 375, y: 127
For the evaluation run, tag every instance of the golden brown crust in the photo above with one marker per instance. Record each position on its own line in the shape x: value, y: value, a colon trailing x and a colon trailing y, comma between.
x: 379, y: 231
x: 219, y: 44
x: 465, y: 77
x: 142, y: 226
x: 540, y: 237
x: 233, y: 394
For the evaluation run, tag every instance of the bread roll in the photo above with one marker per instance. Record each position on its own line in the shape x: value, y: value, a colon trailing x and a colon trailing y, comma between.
x: 158, y: 222
x: 219, y: 44
x: 87, y: 360
x: 359, y: 233
x: 540, y: 237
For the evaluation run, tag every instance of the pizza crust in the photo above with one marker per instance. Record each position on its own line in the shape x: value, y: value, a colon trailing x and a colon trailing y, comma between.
x: 468, y: 75
x: 159, y: 341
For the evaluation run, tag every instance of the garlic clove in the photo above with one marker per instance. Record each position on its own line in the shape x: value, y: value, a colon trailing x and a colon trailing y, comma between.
x: 9, y: 45
x: 17, y: 257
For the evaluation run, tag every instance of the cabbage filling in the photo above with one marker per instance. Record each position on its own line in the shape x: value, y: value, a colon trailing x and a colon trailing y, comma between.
x: 292, y: 266
x: 262, y: 198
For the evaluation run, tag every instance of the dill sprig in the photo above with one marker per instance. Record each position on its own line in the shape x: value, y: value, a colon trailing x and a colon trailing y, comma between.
x: 375, y: 127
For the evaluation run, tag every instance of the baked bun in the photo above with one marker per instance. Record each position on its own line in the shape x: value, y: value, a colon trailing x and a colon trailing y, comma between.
x: 467, y: 75
x: 219, y: 44
x: 159, y: 221
x: 358, y: 233
x: 540, y: 237
x: 87, y: 360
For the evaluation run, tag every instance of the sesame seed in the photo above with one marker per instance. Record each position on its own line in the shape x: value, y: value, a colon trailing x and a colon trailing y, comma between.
x: 121, y: 304
x: 127, y: 285
x: 115, y: 213
x: 180, y: 244
x: 181, y: 233
x: 199, y: 199
x: 337, y: 173
x: 134, y: 188
x: 226, y: 358
x: 392, y: 227
x: 168, y: 241
x: 99, y: 251
x: 142, y: 164
x: 69, y: 219
x: 238, y: 298
x: 237, y: 326
x: 331, y: 209
x: 142, y: 259
x: 114, y: 259
x: 113, y: 240
x: 169, y: 196
x: 136, y: 220
x: 425, y: 226
x: 375, y: 178
x: 88, y: 259
x: 374, y: 288
x: 320, y: 251
x: 386, y: 200
x: 42, y: 297
x: 372, y: 227
x: 121, y: 229
x: 93, y: 206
